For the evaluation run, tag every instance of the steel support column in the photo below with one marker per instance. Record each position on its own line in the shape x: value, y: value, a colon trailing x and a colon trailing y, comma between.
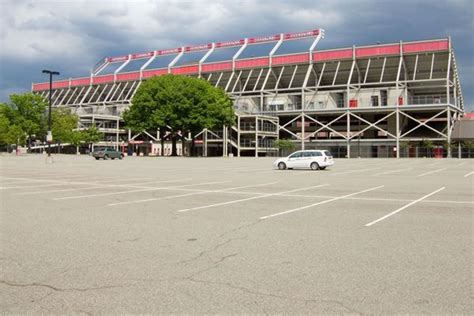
x: 398, y: 131
x: 302, y: 130
x: 348, y: 115
x: 238, y: 136
x: 448, y: 139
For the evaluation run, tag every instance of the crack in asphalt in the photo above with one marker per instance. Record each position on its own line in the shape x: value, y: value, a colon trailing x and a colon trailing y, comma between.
x: 249, y: 291
x: 57, y: 289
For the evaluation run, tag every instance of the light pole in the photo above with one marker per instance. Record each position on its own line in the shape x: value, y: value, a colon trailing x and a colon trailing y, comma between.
x: 49, y: 137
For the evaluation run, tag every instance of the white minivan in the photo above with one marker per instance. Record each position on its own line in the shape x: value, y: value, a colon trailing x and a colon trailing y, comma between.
x: 303, y: 159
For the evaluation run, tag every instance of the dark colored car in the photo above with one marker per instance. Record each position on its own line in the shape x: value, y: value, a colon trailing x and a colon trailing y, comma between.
x: 106, y: 153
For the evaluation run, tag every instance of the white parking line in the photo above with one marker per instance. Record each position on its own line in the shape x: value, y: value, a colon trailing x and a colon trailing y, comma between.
x: 95, y: 186
x: 468, y: 174
x: 393, y: 171
x: 319, y: 203
x: 193, y: 193
x: 404, y: 207
x: 132, y: 191
x: 353, y: 171
x: 430, y: 172
x: 32, y: 186
x: 248, y: 199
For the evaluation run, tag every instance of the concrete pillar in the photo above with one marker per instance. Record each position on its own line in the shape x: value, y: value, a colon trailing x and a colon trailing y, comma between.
x: 256, y: 136
x: 238, y: 136
x: 448, y: 140
x: 302, y: 130
x: 398, y: 132
x: 348, y: 134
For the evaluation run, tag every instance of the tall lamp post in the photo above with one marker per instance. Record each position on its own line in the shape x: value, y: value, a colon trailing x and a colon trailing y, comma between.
x: 49, y: 137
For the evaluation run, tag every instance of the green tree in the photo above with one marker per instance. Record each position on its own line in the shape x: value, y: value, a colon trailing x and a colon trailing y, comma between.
x: 428, y: 145
x: 64, y: 126
x: 179, y: 104
x: 469, y: 145
x: 28, y: 111
x: 285, y: 146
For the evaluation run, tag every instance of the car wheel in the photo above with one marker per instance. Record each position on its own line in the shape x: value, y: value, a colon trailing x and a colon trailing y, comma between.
x: 113, y: 158
x: 322, y: 168
x: 314, y: 166
x: 281, y: 166
x: 106, y: 157
x: 96, y: 158
x: 121, y: 156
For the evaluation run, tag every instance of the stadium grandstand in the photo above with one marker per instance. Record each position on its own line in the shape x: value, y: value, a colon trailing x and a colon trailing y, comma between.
x: 359, y: 101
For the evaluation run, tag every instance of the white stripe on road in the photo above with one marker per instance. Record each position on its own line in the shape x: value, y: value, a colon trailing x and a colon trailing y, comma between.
x: 430, y: 172
x: 319, y: 203
x: 132, y: 191
x: 248, y: 199
x: 193, y: 193
x: 97, y: 185
x: 468, y: 174
x: 32, y: 186
x: 353, y: 171
x: 404, y: 207
x: 394, y: 171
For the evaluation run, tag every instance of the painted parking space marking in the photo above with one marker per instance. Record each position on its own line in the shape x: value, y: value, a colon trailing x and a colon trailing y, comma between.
x: 403, y: 207
x: 468, y: 174
x: 320, y: 203
x: 393, y: 171
x: 97, y: 185
x: 431, y: 172
x: 133, y: 191
x: 249, y: 199
x: 354, y: 171
x: 199, y: 192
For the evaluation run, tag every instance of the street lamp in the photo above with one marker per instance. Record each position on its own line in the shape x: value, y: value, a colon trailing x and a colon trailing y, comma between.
x: 49, y: 137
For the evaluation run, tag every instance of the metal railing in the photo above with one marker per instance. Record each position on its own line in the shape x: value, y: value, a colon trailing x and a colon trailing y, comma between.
x: 427, y: 99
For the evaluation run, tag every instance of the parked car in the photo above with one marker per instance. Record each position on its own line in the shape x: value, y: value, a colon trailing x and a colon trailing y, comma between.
x: 303, y: 159
x: 106, y: 153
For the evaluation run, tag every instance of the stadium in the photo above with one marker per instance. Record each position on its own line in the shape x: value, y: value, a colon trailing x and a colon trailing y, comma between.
x: 381, y: 100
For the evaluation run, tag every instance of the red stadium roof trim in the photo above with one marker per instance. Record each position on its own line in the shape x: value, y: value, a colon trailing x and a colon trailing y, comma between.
x: 169, y: 51
x: 227, y: 65
x: 230, y: 43
x: 116, y: 59
x: 198, y: 48
x: 143, y: 55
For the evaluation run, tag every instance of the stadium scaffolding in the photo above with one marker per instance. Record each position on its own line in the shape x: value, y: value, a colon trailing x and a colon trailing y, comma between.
x: 283, y: 87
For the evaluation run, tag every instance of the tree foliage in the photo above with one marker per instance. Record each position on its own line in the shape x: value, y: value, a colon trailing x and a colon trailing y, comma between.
x: 284, y: 145
x: 25, y: 117
x: 179, y: 104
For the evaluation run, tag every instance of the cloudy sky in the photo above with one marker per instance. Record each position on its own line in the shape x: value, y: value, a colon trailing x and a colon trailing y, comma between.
x: 71, y: 36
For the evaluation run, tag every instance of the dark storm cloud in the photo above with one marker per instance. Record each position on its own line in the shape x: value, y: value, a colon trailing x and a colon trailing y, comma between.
x: 90, y: 30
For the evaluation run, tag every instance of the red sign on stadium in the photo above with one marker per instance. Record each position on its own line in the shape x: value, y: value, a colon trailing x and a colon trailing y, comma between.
x: 199, y: 47
x: 253, y: 40
x: 169, y: 51
x: 142, y: 55
x: 230, y: 43
x: 301, y: 34
x: 119, y: 58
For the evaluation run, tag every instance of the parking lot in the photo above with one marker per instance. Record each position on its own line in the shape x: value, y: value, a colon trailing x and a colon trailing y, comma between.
x: 234, y: 235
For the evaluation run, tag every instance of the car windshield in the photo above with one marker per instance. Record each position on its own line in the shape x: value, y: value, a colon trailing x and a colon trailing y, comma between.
x: 295, y: 155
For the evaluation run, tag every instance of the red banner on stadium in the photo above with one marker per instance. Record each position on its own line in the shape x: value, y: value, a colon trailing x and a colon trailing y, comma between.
x: 116, y: 59
x: 169, y: 51
x: 198, y: 47
x: 254, y: 40
x: 230, y: 43
x: 142, y: 55
x: 301, y: 34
